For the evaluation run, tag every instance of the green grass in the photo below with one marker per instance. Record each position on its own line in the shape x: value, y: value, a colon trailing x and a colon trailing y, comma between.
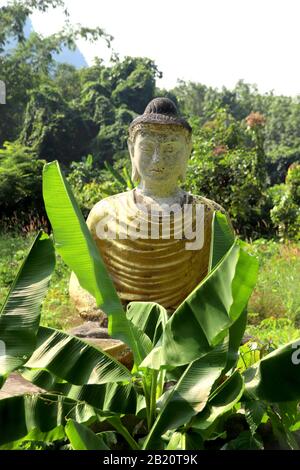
x: 277, y: 292
x: 274, y: 307
x: 272, y: 332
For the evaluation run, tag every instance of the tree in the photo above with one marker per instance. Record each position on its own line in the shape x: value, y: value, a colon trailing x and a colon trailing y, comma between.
x: 223, y: 169
x: 134, y: 82
x: 195, y: 99
x: 19, y: 79
x: 55, y: 129
x: 14, y: 15
x: 113, y: 98
x: 31, y: 63
x: 20, y: 169
x: 67, y: 80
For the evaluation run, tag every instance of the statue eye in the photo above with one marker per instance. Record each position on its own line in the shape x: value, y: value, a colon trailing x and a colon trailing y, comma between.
x: 147, y: 148
x: 169, y: 148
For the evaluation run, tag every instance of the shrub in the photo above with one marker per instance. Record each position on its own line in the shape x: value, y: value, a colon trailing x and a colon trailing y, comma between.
x: 91, y: 184
x: 229, y: 178
x: 213, y: 400
x: 55, y: 128
x: 20, y: 181
x: 286, y: 205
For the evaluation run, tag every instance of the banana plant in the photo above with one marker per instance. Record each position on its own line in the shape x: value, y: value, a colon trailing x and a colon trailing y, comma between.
x: 185, y: 380
x: 43, y: 355
x: 20, y: 314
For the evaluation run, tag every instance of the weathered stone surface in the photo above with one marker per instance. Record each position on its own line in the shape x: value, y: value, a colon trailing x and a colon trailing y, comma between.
x: 85, y: 303
x: 97, y: 336
x: 90, y: 329
x: 16, y: 385
x: 114, y: 348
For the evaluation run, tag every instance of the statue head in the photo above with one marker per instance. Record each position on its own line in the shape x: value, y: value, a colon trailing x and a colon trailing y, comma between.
x: 159, y: 143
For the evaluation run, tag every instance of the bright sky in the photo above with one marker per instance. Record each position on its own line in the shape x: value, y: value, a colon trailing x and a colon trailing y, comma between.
x: 215, y: 42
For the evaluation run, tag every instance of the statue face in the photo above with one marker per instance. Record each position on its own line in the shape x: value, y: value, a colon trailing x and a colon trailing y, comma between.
x: 160, y: 155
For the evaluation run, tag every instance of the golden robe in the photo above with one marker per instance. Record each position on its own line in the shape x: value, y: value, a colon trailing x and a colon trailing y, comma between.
x: 149, y: 262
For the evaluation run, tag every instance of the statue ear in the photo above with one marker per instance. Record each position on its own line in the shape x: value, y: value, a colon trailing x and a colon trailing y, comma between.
x: 189, y: 148
x: 130, y: 146
x: 135, y: 177
x: 182, y: 176
x: 134, y: 173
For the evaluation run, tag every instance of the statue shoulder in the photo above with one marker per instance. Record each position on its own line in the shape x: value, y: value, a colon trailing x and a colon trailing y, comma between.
x: 212, y: 206
x: 104, y: 207
x: 209, y: 203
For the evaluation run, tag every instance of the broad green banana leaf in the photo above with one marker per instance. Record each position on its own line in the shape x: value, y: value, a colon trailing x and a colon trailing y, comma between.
x: 236, y: 333
x: 205, y: 316
x: 222, y: 238
x: 76, y: 246
x: 176, y: 442
x: 254, y: 412
x: 189, y: 440
x: 115, y: 397
x: 146, y: 320
x: 150, y: 317
x: 75, y: 361
x: 140, y: 343
x: 40, y: 412
x: 190, y: 394
x: 74, y: 241
x: 36, y: 436
x: 82, y: 438
x: 20, y: 314
x: 222, y: 400
x: 245, y: 441
x: 276, y: 377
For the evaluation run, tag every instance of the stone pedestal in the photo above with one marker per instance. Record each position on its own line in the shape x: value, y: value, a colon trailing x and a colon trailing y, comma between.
x: 85, y: 303
x: 17, y: 385
x: 97, y: 336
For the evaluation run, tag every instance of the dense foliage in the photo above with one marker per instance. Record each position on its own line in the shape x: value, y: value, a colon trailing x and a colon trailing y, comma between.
x: 286, y: 211
x: 20, y: 179
x: 191, y: 385
x: 244, y: 141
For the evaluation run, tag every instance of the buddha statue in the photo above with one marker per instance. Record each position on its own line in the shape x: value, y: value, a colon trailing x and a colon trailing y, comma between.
x: 154, y: 239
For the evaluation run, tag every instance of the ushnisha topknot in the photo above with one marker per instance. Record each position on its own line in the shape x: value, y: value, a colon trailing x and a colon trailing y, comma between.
x: 160, y: 111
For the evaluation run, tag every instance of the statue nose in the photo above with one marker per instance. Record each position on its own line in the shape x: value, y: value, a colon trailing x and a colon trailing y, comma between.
x: 156, y: 155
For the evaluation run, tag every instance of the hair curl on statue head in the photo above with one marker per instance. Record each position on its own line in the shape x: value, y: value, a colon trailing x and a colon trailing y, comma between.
x: 160, y: 112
